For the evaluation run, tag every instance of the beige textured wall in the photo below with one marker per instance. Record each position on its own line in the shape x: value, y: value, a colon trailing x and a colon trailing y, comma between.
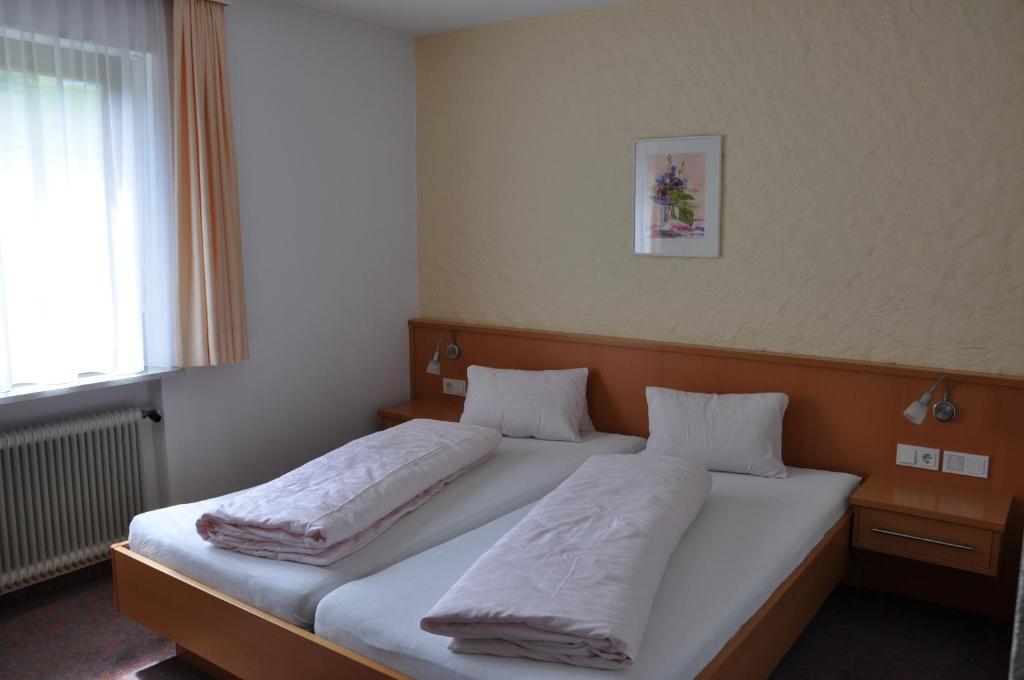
x: 873, y: 175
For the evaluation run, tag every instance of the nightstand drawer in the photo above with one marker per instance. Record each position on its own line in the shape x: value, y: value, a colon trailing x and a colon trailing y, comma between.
x: 388, y: 421
x: 954, y: 545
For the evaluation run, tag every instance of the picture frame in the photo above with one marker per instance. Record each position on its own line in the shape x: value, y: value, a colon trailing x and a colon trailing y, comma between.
x: 678, y: 196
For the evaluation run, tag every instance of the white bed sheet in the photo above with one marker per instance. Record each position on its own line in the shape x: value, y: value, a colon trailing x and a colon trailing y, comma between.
x: 520, y: 471
x: 750, y: 535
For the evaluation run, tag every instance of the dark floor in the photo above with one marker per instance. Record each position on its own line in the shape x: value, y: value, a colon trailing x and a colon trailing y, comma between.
x: 864, y: 634
x: 68, y: 629
x: 73, y: 632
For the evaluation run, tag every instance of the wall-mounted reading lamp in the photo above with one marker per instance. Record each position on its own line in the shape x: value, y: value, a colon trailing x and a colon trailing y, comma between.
x: 944, y: 410
x: 452, y: 351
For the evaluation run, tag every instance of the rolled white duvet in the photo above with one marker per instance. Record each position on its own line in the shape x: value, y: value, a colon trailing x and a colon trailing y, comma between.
x: 339, y: 502
x: 574, y: 581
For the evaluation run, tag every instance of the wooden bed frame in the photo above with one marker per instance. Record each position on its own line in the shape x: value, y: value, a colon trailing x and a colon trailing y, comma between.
x: 228, y: 638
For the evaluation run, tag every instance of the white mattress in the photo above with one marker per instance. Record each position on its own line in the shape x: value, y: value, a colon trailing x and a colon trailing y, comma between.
x: 520, y: 471
x: 750, y: 535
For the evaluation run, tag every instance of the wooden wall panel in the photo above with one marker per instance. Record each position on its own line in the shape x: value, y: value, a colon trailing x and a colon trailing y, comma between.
x: 843, y: 415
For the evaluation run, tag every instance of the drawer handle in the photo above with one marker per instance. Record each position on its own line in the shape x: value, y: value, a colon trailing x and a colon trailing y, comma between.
x: 957, y: 546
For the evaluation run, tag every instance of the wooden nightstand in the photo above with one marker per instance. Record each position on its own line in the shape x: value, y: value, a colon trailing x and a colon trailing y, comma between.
x: 929, y: 522
x: 435, y: 409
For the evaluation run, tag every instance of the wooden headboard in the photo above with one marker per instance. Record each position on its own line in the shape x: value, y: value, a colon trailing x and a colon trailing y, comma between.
x: 843, y: 415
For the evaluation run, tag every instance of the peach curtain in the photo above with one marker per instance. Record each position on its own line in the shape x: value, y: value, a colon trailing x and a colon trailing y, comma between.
x: 211, y: 295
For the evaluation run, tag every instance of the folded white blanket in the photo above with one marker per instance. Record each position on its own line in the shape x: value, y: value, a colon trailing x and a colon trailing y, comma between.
x: 339, y: 502
x: 574, y: 581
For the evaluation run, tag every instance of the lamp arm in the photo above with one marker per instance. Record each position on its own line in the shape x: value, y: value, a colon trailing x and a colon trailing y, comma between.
x: 437, y: 348
x: 927, y: 396
x: 944, y: 410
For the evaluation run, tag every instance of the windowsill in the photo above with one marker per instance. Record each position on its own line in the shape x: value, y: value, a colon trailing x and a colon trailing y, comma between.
x: 26, y: 392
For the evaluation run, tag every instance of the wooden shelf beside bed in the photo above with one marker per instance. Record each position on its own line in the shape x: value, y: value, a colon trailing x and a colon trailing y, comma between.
x: 435, y: 409
x: 928, y: 522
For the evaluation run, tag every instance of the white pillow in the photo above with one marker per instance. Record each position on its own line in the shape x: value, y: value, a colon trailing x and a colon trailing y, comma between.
x: 542, y: 404
x: 729, y: 432
x: 586, y: 424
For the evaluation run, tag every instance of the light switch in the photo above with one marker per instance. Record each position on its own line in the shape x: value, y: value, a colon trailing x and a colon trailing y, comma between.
x: 906, y: 455
x: 970, y: 464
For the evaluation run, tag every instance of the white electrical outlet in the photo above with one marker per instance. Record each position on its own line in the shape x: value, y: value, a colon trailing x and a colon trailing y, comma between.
x: 453, y: 386
x: 927, y: 458
x: 917, y: 456
x: 970, y: 464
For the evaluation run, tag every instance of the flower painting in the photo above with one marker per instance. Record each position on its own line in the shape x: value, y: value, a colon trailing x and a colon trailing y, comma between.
x: 678, y: 190
x: 677, y: 193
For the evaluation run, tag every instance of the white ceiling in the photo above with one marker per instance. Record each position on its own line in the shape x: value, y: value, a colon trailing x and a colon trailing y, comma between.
x: 424, y: 17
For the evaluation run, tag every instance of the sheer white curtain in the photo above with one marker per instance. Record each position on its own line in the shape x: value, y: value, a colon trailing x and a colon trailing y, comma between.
x: 86, y: 243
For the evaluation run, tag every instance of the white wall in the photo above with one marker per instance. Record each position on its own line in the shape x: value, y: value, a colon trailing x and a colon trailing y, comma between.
x: 325, y: 133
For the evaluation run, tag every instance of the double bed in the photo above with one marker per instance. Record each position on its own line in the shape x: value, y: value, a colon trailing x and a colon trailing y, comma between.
x: 761, y: 551
x: 772, y: 561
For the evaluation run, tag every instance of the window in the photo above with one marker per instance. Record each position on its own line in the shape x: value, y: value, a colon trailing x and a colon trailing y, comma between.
x: 85, y: 235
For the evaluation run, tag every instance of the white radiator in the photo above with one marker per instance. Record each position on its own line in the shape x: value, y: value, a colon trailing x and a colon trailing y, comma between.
x: 68, y: 489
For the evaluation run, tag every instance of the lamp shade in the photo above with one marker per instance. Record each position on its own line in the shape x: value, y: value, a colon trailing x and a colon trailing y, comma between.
x: 917, y: 411
x: 434, y: 367
x: 451, y: 351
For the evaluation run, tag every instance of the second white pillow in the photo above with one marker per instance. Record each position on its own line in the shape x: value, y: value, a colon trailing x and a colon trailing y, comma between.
x: 729, y: 432
x: 541, y: 404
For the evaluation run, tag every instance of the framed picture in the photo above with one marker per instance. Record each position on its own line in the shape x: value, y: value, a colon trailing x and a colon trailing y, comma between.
x: 678, y: 196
